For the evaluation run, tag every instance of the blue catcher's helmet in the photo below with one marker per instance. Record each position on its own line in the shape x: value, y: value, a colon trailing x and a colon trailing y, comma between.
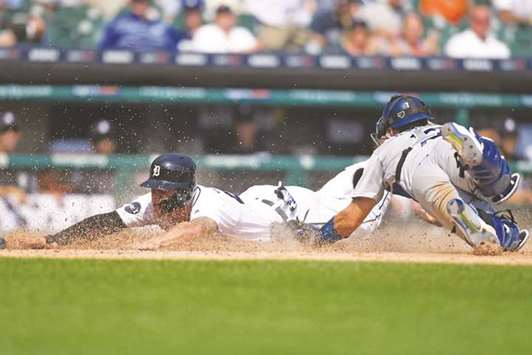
x: 400, y: 112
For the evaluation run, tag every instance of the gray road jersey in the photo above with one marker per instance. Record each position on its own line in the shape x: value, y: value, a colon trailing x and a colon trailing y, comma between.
x: 398, y: 159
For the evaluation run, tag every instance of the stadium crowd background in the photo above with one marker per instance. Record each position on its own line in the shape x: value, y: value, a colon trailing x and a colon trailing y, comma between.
x: 394, y: 28
x: 456, y: 28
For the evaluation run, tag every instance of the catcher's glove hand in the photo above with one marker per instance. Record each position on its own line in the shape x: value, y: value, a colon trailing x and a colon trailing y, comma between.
x: 305, y: 233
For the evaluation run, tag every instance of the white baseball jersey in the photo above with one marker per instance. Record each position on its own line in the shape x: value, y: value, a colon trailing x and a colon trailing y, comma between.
x: 314, y: 207
x: 416, y: 161
x: 232, y: 216
x: 337, y: 194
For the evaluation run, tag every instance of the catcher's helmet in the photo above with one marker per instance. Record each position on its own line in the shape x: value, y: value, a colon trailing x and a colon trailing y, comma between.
x: 399, y: 112
x: 172, y: 172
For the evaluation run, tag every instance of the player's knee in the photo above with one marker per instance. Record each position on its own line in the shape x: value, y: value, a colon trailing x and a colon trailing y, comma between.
x: 438, y: 197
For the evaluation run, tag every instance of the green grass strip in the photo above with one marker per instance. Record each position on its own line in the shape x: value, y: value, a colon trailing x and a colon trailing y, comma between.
x: 262, y: 307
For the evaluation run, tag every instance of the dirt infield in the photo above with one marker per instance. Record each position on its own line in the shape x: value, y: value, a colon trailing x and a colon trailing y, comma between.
x: 411, y: 244
x: 439, y: 258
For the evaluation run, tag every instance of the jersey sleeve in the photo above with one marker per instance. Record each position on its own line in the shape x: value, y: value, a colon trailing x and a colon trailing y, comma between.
x: 138, y: 213
x: 371, y: 183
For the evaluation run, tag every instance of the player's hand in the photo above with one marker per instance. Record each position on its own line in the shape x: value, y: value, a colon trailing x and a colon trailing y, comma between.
x: 21, y: 241
x: 304, y: 233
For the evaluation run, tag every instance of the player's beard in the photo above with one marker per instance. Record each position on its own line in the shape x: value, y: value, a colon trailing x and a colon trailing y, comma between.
x: 171, y: 219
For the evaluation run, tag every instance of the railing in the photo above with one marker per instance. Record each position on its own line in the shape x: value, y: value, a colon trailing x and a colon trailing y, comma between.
x: 52, y: 66
x: 295, y: 168
x: 274, y: 97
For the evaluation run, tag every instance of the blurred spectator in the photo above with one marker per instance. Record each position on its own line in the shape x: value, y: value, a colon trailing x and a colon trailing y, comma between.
x: 477, y: 41
x: 133, y: 30
x: 9, y: 133
x: 192, y: 20
x: 193, y: 15
x: 357, y: 41
x: 102, y: 138
x: 108, y: 8
x: 212, y: 5
x: 411, y: 42
x: 327, y: 26
x: 508, y: 145
x: 283, y: 23
x: 453, y: 11
x: 74, y: 24
x: 245, y: 129
x: 20, y: 24
x: 223, y: 36
x: 7, y: 37
x: 384, y: 17
x: 514, y: 12
x: 9, y: 138
x: 168, y: 8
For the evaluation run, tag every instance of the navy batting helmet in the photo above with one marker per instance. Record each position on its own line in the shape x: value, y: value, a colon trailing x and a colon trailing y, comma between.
x: 172, y: 172
x: 400, y: 112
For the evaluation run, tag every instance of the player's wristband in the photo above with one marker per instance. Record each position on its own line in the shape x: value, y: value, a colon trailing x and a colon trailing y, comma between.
x: 328, y: 234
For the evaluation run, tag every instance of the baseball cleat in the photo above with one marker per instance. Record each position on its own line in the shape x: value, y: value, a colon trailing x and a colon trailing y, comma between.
x: 474, y: 229
x: 464, y: 142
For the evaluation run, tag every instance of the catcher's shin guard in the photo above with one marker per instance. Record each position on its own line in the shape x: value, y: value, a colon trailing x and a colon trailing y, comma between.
x: 497, y: 229
x: 484, y: 162
x: 473, y: 228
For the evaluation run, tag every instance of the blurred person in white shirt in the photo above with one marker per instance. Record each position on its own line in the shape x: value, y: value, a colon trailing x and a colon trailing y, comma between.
x: 384, y: 17
x: 413, y: 41
x: 223, y: 36
x: 357, y: 41
x: 514, y: 12
x: 477, y: 41
x: 283, y: 23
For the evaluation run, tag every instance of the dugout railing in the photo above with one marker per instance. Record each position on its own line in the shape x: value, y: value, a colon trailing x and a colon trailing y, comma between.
x: 295, y: 170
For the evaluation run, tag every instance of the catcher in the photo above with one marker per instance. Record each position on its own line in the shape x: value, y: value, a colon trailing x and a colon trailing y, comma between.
x: 455, y: 175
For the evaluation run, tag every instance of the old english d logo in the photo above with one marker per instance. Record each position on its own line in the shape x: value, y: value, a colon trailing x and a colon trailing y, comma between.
x: 401, y: 114
x: 156, y: 171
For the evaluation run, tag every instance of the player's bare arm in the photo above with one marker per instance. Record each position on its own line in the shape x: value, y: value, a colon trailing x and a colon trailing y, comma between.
x: 91, y: 228
x: 348, y: 220
x: 202, y: 227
